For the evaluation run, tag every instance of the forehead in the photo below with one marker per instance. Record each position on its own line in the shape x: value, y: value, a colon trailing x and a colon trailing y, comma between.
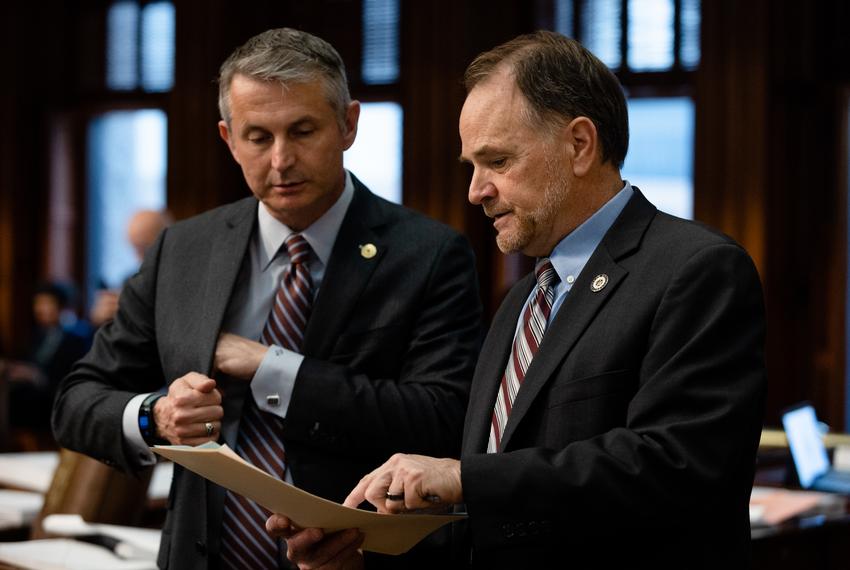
x: 254, y: 99
x: 492, y: 114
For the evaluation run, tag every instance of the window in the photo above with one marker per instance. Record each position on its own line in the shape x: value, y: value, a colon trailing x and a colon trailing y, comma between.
x: 140, y: 46
x: 126, y: 165
x: 380, y: 41
x: 660, y: 158
x: 660, y: 35
x: 375, y: 156
x: 126, y: 146
x: 653, y: 46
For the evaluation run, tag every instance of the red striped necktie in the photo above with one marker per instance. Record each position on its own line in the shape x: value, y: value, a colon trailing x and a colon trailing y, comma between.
x: 245, y: 542
x: 526, y: 342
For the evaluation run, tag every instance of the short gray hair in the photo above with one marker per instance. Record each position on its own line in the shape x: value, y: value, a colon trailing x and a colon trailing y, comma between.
x: 286, y: 56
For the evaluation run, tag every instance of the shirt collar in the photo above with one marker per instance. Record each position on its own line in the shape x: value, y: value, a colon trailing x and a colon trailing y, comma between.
x: 573, y: 252
x: 321, y: 234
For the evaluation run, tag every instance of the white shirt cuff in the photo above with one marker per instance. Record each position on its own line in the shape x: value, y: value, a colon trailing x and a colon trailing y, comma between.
x: 132, y: 433
x: 274, y: 380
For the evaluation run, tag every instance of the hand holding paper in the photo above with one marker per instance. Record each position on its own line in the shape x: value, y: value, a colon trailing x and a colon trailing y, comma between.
x: 409, y: 482
x: 384, y: 533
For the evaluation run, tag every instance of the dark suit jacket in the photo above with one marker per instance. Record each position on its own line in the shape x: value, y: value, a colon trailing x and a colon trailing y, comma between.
x: 390, y: 347
x: 632, y: 440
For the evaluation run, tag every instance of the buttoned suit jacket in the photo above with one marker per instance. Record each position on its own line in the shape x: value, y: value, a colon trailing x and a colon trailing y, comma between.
x: 632, y: 440
x: 389, y: 352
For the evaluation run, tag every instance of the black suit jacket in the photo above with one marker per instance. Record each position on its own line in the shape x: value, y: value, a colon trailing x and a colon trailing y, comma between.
x: 389, y: 352
x: 632, y: 440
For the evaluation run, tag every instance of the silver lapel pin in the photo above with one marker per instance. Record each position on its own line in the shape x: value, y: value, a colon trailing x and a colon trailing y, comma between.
x: 599, y: 282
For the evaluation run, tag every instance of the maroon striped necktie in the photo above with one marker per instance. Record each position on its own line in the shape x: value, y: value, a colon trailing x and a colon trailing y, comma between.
x: 245, y: 542
x: 526, y: 342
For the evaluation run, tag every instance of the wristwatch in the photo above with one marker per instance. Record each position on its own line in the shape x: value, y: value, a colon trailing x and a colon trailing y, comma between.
x: 147, y: 425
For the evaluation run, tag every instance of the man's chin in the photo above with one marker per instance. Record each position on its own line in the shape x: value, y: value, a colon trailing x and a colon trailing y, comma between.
x: 509, y: 243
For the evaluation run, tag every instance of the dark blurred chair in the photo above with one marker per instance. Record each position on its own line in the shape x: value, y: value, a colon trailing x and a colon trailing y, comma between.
x: 5, y: 435
x: 100, y: 494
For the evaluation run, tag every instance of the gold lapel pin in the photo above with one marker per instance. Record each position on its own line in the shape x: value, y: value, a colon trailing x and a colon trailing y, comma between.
x: 599, y: 282
x: 368, y: 251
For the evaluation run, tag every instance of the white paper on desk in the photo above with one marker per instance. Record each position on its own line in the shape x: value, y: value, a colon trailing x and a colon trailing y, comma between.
x: 30, y: 471
x: 66, y: 554
x: 18, y: 508
x: 387, y: 534
x: 144, y: 541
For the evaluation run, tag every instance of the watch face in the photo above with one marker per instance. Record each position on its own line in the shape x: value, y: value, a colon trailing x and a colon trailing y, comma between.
x: 144, y: 422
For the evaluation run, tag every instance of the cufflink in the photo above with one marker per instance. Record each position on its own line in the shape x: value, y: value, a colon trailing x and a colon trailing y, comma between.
x: 273, y: 400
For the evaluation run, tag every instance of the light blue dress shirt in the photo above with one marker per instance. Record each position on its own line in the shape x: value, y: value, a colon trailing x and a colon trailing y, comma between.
x: 251, y: 303
x: 573, y: 252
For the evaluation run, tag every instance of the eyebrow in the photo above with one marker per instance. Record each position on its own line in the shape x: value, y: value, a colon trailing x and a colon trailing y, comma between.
x: 248, y: 127
x: 483, y: 151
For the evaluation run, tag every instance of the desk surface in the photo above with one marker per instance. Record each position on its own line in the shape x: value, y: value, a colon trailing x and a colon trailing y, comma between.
x: 33, y: 471
x: 816, y: 541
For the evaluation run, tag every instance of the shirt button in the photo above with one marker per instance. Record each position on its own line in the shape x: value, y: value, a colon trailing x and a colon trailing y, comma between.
x: 570, y: 279
x: 273, y: 400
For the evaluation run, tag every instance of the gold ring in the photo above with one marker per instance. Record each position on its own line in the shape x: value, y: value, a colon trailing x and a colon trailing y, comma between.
x: 209, y: 427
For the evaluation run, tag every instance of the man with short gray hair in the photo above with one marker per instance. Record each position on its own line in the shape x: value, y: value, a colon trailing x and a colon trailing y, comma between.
x: 314, y: 327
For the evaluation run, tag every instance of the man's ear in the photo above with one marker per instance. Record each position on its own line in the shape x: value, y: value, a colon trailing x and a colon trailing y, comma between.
x: 582, y: 136
x: 352, y: 116
x: 224, y: 133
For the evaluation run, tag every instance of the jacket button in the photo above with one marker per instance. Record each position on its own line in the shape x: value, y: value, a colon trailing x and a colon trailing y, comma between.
x: 201, y: 548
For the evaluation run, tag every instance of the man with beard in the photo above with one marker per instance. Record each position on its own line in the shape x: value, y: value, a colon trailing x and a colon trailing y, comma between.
x: 616, y: 407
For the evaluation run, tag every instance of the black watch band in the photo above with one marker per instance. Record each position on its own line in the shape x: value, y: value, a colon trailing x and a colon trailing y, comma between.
x: 147, y: 425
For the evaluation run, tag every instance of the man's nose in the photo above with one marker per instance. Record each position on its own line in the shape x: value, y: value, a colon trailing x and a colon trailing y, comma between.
x: 480, y: 188
x: 283, y: 155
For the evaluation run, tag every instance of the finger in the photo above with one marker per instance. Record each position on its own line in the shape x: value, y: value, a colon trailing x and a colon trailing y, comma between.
x: 376, y: 491
x: 332, y: 547
x: 199, y: 430
x: 394, y: 496
x: 199, y: 382
x: 279, y: 525
x: 192, y: 420
x: 358, y: 494
x: 301, y: 546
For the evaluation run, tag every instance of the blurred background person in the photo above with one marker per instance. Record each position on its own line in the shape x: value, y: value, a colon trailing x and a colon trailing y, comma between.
x: 54, y: 349
x: 142, y: 230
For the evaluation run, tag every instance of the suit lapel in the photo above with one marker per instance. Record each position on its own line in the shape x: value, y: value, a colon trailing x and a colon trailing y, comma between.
x: 582, y: 304
x: 223, y: 265
x: 347, y: 273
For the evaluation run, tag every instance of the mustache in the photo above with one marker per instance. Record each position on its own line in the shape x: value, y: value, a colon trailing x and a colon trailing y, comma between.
x: 492, y: 209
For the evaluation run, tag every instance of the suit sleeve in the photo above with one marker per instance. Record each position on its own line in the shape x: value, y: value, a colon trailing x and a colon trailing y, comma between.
x: 123, y: 362
x: 690, y: 430
x: 419, y: 410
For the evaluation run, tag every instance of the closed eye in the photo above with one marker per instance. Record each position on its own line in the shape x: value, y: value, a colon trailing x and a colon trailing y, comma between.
x: 259, y: 139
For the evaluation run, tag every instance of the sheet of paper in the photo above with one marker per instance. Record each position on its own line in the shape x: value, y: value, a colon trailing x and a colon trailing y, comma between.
x: 774, y: 505
x: 145, y: 541
x: 66, y: 554
x: 18, y: 508
x: 387, y: 534
x: 31, y: 471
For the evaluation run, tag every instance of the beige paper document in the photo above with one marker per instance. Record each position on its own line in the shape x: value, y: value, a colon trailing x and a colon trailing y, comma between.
x: 387, y: 534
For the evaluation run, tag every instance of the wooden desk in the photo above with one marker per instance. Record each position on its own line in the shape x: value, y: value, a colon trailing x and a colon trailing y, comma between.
x: 814, y: 542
